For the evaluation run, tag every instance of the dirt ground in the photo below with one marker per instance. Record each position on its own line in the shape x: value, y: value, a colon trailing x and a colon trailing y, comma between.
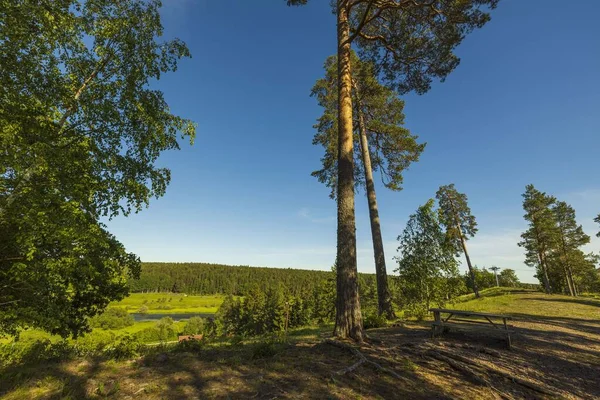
x: 550, y: 358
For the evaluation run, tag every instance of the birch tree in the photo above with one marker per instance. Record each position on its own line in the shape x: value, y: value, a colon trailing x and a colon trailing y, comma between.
x: 80, y: 131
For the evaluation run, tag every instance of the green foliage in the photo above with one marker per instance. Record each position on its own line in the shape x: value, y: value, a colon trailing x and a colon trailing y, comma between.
x: 112, y: 318
x: 427, y: 269
x: 392, y: 147
x: 597, y: 219
x: 194, y: 326
x: 374, y: 320
x: 84, y: 131
x: 390, y: 34
x: 125, y: 347
x: 552, y: 243
x: 508, y: 277
x: 455, y: 216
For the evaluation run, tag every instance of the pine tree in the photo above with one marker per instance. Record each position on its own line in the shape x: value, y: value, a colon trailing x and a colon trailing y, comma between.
x: 460, y: 224
x: 379, y: 132
x: 390, y: 33
x: 540, y: 238
x: 597, y: 219
x: 570, y: 238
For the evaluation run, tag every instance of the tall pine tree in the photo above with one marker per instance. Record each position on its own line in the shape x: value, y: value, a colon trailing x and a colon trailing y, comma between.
x: 540, y: 238
x: 411, y: 43
x: 385, y: 146
x: 570, y: 238
x: 460, y: 224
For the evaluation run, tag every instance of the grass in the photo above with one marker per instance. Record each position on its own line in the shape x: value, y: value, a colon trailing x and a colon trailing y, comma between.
x: 157, y: 303
x: 296, y: 365
x: 522, y: 302
x: 170, y: 303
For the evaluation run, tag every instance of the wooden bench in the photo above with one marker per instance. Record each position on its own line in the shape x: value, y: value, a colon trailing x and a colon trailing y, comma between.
x: 471, y: 320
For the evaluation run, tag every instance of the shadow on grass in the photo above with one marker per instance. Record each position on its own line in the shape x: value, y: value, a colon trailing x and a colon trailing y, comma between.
x: 284, y: 370
x: 585, y: 302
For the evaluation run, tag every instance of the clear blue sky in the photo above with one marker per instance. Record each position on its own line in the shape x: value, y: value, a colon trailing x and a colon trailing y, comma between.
x: 522, y: 107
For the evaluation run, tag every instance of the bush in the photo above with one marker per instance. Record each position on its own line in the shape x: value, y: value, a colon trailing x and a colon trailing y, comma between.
x: 35, y: 352
x: 372, y: 320
x: 125, y: 347
x: 193, y: 326
x: 265, y: 349
x: 112, y: 318
x: 192, y: 346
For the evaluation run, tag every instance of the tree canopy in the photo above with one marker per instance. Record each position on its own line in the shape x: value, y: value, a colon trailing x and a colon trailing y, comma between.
x: 392, y: 147
x: 80, y: 131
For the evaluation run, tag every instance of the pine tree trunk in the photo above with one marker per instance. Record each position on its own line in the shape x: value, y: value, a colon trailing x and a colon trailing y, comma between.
x: 348, y: 321
x: 570, y: 273
x: 545, y: 271
x: 569, y: 282
x: 384, y: 299
x: 471, y: 272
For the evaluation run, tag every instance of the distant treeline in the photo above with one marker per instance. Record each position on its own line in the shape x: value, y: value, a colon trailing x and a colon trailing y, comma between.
x: 206, y: 279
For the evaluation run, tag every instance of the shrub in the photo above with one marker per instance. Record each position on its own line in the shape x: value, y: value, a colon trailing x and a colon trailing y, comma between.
x: 193, y: 326
x: 112, y: 318
x: 143, y: 309
x: 125, y: 347
x: 372, y: 320
x: 192, y: 346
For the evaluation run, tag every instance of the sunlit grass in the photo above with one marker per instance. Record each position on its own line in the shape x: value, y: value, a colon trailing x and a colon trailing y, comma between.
x: 170, y: 303
x: 530, y: 303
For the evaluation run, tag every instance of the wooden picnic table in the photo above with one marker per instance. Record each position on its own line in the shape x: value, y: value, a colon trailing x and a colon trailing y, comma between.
x: 471, y: 320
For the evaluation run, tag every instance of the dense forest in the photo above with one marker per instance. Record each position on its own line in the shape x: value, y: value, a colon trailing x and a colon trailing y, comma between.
x: 204, y: 278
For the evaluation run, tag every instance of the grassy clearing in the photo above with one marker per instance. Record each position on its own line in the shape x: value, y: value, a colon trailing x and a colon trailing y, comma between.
x: 529, y: 303
x: 170, y: 303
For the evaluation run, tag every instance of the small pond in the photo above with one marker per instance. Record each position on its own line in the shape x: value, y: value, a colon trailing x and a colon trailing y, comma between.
x: 176, y: 317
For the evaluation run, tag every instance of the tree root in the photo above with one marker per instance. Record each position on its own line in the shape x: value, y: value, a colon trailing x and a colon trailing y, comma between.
x: 361, y: 359
x: 458, y: 362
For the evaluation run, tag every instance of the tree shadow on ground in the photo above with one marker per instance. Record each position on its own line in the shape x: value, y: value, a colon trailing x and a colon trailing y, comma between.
x: 293, y: 370
x: 563, y: 355
x: 585, y: 302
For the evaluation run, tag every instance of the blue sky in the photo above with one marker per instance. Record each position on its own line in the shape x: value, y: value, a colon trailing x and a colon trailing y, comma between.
x: 522, y: 107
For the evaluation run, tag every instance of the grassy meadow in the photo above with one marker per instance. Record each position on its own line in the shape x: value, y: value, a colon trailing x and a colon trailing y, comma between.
x: 524, y: 303
x: 170, y: 303
x: 148, y: 303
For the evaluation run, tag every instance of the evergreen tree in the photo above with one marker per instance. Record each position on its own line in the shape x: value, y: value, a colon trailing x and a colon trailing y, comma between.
x: 597, y: 219
x: 80, y: 131
x: 384, y: 144
x: 426, y: 263
x: 570, y: 238
x: 541, y: 236
x: 456, y: 217
x: 390, y: 33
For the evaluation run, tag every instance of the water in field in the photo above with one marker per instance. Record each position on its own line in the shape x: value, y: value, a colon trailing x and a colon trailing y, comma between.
x: 176, y: 317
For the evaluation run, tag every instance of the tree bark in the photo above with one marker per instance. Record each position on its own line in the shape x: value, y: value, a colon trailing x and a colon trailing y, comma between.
x: 348, y: 322
x: 464, y: 247
x: 545, y: 271
x: 384, y: 299
x: 471, y: 272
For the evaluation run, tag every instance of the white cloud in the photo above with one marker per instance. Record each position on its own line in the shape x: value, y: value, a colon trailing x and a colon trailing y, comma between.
x: 305, y: 213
